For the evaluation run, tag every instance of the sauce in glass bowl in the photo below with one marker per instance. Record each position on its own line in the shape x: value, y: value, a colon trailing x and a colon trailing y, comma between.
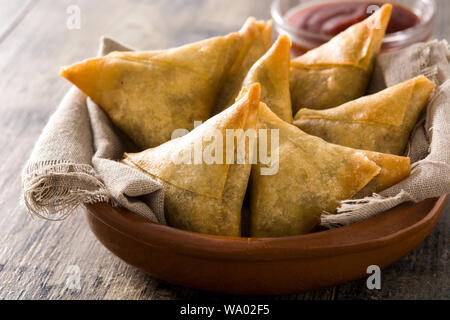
x: 334, y: 17
x: 312, y: 23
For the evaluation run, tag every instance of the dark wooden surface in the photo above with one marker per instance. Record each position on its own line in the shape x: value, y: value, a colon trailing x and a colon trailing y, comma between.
x: 35, y: 255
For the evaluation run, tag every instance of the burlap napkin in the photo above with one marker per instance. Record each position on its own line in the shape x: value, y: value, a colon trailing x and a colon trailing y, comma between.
x: 75, y: 159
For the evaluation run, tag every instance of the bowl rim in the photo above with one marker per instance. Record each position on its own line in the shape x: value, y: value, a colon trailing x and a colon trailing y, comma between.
x: 251, y: 249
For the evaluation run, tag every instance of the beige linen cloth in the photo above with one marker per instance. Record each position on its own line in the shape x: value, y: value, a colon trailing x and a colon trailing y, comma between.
x: 75, y: 159
x: 75, y: 162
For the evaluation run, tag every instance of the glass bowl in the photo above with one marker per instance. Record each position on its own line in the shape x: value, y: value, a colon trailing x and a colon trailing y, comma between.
x: 303, y: 40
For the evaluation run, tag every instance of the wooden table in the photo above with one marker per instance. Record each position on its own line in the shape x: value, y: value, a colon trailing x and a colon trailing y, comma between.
x: 36, y: 255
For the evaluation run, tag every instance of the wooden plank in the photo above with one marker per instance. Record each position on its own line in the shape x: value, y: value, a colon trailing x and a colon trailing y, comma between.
x: 12, y: 13
x: 422, y: 274
x: 36, y: 255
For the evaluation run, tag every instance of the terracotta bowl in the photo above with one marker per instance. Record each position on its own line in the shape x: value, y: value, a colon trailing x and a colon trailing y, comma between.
x: 264, y: 266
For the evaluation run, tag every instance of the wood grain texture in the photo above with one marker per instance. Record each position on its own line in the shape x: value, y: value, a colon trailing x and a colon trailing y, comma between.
x: 11, y: 14
x: 35, y: 255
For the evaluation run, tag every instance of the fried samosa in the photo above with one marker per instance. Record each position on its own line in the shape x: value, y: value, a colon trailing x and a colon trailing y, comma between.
x: 255, y: 38
x: 339, y: 70
x: 272, y: 72
x: 150, y: 94
x: 313, y: 177
x: 393, y: 170
x: 204, y: 196
x: 380, y: 122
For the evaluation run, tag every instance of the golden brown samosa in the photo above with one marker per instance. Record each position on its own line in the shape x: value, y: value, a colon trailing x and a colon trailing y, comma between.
x: 272, y: 72
x: 199, y: 195
x: 150, y: 94
x: 339, y: 70
x: 393, y: 170
x: 380, y: 122
x: 313, y: 177
x: 255, y: 38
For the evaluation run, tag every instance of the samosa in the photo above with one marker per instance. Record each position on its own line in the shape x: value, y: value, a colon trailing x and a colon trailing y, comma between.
x: 313, y: 177
x: 380, y: 122
x: 205, y: 194
x: 393, y: 170
x: 272, y: 72
x: 339, y: 70
x: 150, y: 94
x: 254, y: 41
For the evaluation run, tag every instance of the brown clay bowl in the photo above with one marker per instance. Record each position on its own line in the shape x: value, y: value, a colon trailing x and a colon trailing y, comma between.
x: 264, y: 266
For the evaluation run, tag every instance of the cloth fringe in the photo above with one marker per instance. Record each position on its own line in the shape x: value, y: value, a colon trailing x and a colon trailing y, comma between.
x: 356, y: 210
x: 47, y: 196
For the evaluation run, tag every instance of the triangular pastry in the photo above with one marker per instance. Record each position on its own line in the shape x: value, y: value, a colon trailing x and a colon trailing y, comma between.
x: 255, y: 38
x: 339, y: 70
x: 272, y: 72
x: 313, y: 177
x: 150, y: 94
x: 380, y: 122
x: 204, y: 196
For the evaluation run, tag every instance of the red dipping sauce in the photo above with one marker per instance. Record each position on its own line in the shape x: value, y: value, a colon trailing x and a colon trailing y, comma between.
x: 312, y: 23
x: 334, y: 17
